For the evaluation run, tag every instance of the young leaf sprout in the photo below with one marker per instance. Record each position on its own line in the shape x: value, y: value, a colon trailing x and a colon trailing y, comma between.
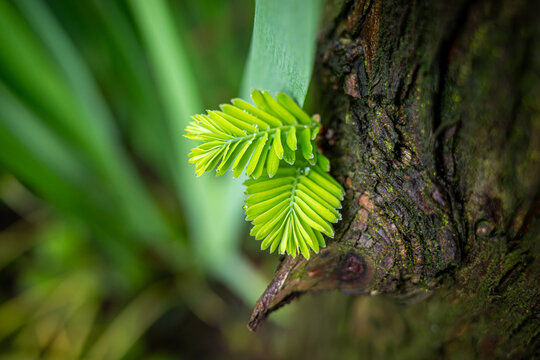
x: 292, y: 200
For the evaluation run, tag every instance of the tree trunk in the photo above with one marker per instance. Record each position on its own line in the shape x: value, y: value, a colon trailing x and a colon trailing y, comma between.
x: 432, y: 123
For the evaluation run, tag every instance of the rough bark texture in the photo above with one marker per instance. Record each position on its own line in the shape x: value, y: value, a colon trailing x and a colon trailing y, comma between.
x: 432, y: 123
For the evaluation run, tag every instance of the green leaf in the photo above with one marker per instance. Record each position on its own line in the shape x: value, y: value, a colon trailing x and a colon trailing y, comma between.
x: 291, y: 138
x: 260, y: 166
x: 288, y: 155
x: 308, y: 185
x: 263, y: 115
x: 277, y: 146
x: 281, y: 112
x: 289, y: 104
x: 288, y: 215
x: 273, y: 163
x: 305, y: 141
x: 282, y: 47
x: 267, y: 194
x: 241, y: 136
x: 323, y: 162
x: 327, y: 182
x: 256, y: 155
x: 244, y: 158
x: 245, y: 116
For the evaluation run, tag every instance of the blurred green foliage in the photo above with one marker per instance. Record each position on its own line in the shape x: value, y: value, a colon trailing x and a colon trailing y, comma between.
x: 107, y: 239
x: 283, y: 44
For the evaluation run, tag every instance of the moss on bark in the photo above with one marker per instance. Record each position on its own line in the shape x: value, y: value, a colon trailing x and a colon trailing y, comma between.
x: 432, y: 123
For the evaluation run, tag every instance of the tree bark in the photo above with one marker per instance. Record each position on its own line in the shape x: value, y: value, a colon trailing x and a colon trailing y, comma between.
x: 432, y: 124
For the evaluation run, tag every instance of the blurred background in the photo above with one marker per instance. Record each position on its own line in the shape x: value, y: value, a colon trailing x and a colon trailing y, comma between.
x: 110, y: 248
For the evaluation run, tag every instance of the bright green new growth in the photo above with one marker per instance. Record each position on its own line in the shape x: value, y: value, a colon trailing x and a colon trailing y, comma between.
x: 257, y: 136
x: 291, y: 210
x: 292, y: 203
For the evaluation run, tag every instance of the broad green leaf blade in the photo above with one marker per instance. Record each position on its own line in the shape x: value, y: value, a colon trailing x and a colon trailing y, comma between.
x: 282, y: 47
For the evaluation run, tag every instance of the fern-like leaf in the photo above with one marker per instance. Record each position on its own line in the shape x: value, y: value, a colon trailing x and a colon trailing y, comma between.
x: 291, y: 203
x: 292, y: 210
x: 256, y: 138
